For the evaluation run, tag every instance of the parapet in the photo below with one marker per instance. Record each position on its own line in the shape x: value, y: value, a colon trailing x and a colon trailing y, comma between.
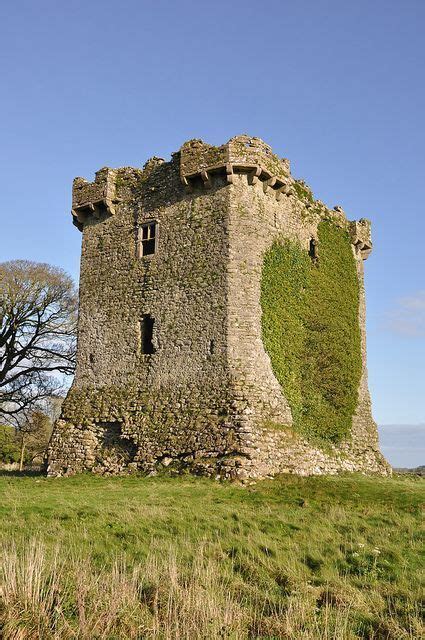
x: 241, y: 154
x: 198, y: 162
x: 93, y: 198
x: 360, y: 233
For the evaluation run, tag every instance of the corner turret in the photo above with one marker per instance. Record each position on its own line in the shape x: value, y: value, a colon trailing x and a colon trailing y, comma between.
x: 93, y: 198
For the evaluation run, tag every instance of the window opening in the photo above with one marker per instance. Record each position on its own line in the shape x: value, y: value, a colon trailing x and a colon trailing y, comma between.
x: 147, y: 239
x: 146, y: 334
x: 312, y: 249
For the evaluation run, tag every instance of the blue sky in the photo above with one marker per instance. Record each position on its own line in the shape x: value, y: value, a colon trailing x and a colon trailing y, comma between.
x: 337, y: 87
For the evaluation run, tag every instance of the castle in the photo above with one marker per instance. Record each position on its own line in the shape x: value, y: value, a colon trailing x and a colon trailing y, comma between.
x: 221, y: 323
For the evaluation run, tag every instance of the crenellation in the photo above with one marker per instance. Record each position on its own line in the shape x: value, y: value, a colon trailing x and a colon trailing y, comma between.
x: 241, y: 155
x: 94, y: 198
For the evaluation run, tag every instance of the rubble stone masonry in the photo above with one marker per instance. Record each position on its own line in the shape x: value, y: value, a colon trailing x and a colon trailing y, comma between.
x: 171, y: 368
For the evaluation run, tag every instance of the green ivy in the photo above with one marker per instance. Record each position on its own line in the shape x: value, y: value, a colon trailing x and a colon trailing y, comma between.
x: 311, y: 331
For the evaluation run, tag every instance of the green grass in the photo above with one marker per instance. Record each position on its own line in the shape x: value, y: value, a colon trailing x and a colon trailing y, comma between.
x: 311, y: 331
x: 328, y: 557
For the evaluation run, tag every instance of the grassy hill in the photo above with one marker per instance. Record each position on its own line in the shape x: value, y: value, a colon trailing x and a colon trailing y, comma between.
x: 111, y: 558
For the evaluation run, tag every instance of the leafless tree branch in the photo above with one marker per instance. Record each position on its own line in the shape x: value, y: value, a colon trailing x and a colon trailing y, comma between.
x: 38, y: 315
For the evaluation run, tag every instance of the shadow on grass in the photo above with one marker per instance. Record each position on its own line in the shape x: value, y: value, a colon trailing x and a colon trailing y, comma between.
x: 26, y: 473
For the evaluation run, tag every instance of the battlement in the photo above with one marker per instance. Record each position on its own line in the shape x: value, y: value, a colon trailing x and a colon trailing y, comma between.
x: 199, y: 161
x: 93, y: 198
x: 196, y: 164
x: 242, y: 154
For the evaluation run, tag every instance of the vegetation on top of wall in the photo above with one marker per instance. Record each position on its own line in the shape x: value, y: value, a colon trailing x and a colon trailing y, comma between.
x: 311, y: 331
x: 303, y: 191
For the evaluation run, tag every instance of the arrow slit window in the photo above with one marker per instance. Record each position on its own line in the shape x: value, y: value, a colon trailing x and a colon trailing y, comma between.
x: 146, y: 335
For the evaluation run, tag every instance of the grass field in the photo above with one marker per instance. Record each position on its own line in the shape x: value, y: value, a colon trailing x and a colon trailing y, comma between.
x: 111, y: 558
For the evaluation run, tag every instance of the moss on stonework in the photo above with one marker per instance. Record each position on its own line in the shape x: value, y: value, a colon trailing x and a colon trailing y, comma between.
x: 166, y: 419
x: 311, y: 331
x: 271, y: 425
x: 303, y: 191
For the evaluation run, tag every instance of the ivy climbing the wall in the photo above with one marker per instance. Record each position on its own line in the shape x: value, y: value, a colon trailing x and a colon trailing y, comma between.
x: 311, y: 331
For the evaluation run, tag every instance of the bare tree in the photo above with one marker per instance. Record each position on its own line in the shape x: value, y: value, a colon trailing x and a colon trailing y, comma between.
x: 38, y: 311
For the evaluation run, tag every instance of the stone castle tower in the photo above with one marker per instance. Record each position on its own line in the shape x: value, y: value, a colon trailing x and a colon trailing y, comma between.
x: 186, y: 358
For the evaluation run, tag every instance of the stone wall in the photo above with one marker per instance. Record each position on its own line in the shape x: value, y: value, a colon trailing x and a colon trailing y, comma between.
x: 206, y: 397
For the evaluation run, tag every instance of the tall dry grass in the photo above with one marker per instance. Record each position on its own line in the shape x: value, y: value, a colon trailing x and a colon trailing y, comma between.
x: 57, y: 596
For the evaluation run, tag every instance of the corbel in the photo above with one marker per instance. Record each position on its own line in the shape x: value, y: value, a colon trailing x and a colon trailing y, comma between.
x: 267, y: 184
x: 110, y: 206
x: 187, y: 186
x: 206, y: 179
x: 366, y: 251
x: 229, y: 173
x: 279, y: 192
x: 79, y: 217
x: 253, y: 176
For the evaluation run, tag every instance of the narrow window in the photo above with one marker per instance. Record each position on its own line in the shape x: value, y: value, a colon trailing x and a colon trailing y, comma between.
x: 312, y: 249
x: 146, y: 334
x: 147, y: 239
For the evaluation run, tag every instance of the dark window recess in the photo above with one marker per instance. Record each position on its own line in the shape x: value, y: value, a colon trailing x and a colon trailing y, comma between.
x: 312, y: 250
x: 146, y: 334
x: 91, y: 358
x: 212, y: 347
x: 147, y: 239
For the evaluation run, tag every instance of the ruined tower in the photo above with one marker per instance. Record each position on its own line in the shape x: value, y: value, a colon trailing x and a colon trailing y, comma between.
x: 221, y: 324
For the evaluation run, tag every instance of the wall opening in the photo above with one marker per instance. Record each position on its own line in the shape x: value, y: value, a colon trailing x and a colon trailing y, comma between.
x: 146, y: 334
x: 116, y: 447
x: 147, y: 239
x: 312, y: 249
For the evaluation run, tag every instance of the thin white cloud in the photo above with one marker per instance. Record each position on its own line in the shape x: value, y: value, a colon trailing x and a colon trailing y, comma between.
x: 403, y: 445
x: 408, y: 318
